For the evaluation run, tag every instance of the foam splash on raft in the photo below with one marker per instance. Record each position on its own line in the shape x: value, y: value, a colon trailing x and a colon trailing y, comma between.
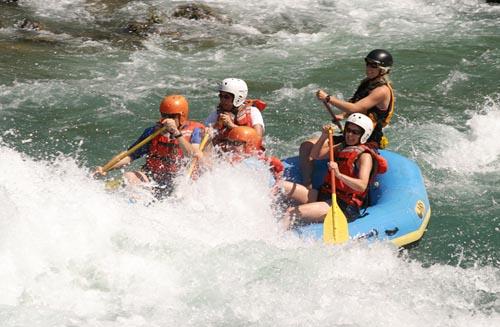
x: 72, y: 254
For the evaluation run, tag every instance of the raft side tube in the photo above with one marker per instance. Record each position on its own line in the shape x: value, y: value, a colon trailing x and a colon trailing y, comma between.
x: 399, y: 210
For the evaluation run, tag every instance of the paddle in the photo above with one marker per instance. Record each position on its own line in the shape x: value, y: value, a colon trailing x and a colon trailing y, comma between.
x: 117, y: 182
x: 123, y: 154
x: 334, y: 118
x: 335, y: 229
x: 204, y: 141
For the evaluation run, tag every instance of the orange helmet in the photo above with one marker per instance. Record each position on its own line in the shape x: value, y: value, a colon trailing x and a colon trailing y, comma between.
x: 175, y: 104
x: 248, y: 135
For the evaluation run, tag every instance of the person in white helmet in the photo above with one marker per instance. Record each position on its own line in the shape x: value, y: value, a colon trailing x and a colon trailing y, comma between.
x: 355, y: 167
x: 233, y: 110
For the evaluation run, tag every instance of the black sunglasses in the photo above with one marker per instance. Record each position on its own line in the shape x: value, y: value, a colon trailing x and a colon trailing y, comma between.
x: 353, y: 131
x: 371, y: 63
x: 233, y: 143
x: 224, y: 96
x: 172, y: 116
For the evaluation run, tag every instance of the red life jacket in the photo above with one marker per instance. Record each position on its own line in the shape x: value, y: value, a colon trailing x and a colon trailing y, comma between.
x: 275, y: 165
x: 346, y: 159
x: 242, y: 118
x: 165, y: 153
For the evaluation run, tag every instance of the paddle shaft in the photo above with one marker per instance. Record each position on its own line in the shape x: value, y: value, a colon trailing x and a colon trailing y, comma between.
x: 334, y: 118
x: 332, y: 158
x: 335, y: 208
x: 195, y: 159
x: 335, y: 227
x: 123, y: 154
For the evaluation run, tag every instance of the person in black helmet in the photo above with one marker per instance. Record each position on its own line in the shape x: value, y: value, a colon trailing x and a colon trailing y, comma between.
x: 374, y: 97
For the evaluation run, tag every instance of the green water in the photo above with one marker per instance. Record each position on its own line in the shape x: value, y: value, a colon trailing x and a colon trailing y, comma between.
x: 81, y: 89
x: 68, y: 89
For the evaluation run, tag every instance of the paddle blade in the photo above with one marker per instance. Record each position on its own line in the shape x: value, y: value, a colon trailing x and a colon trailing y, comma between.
x: 194, y: 162
x: 335, y: 228
x: 114, y: 184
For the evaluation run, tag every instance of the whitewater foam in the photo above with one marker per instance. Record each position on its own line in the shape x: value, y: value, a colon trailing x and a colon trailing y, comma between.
x: 476, y: 150
x: 213, y: 253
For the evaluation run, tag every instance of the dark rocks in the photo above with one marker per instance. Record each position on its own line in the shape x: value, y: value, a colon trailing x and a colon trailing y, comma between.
x: 138, y: 28
x: 119, y: 24
x: 196, y: 11
x: 28, y: 24
x: 144, y: 28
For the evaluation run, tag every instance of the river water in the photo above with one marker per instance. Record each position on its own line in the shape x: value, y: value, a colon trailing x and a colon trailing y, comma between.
x: 80, y: 90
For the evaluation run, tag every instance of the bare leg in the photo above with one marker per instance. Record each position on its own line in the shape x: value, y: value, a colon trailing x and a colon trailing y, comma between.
x: 310, y: 212
x: 306, y: 162
x: 299, y: 192
x: 135, y: 177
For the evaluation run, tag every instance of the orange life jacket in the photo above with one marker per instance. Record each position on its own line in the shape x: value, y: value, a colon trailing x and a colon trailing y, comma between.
x: 346, y: 159
x: 165, y: 153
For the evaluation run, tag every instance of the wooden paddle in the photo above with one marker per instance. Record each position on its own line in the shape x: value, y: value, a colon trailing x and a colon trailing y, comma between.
x: 192, y: 167
x: 117, y: 182
x: 335, y: 228
x: 123, y: 154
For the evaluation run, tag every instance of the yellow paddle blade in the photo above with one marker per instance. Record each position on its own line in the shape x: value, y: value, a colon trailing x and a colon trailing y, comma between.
x: 113, y: 184
x: 335, y: 228
x: 195, y: 159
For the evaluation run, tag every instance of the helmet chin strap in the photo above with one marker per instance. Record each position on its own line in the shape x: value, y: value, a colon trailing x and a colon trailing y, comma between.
x: 220, y: 109
x: 382, y: 73
x: 384, y: 70
x: 235, y: 110
x: 376, y: 77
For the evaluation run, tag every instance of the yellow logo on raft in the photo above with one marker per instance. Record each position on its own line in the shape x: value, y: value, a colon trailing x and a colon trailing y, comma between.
x: 420, y: 209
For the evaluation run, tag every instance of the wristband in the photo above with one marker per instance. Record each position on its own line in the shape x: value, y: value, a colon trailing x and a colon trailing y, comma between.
x: 176, y: 136
x: 327, y: 98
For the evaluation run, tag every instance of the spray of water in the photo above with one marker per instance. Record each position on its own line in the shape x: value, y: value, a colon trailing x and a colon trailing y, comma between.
x: 210, y: 254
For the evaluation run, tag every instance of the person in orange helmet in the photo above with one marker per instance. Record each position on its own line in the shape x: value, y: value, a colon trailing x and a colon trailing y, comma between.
x: 244, y: 143
x: 165, y: 153
x: 243, y: 139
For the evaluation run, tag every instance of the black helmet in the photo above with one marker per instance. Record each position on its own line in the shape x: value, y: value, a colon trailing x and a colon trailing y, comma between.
x: 380, y: 57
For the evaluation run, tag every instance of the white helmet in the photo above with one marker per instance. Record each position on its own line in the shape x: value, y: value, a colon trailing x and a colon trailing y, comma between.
x: 236, y: 87
x: 364, y: 122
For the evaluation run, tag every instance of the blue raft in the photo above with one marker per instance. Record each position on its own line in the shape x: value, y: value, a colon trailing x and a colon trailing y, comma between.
x: 399, y: 208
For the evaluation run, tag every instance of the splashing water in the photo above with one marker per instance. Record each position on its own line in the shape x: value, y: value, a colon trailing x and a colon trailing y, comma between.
x: 211, y: 254
x: 78, y: 91
x: 475, y: 150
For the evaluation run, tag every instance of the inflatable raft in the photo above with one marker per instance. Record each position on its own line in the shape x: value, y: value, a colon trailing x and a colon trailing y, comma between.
x: 399, y: 208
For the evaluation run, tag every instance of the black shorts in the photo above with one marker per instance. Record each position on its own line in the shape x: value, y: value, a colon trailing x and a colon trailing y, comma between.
x: 351, y: 212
